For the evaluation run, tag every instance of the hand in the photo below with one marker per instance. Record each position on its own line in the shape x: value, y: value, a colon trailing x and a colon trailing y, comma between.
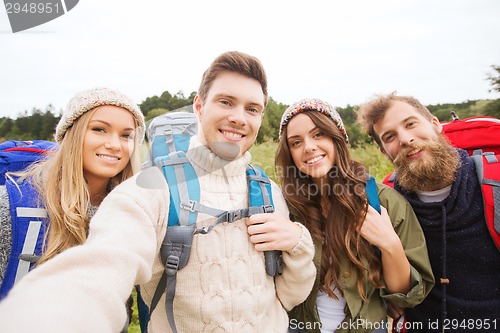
x: 271, y: 231
x: 378, y: 230
x: 395, y: 312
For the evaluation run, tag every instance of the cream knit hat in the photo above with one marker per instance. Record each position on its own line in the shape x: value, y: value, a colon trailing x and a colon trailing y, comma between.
x: 89, y: 99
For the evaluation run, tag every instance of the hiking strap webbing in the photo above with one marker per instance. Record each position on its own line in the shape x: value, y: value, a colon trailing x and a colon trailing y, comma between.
x: 235, y: 215
x: 182, y: 181
x: 491, y: 158
x: 175, y: 251
x: 183, y: 185
x: 169, y: 137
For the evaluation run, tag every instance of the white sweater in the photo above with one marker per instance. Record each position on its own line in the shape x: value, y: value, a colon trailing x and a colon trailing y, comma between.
x: 223, y: 288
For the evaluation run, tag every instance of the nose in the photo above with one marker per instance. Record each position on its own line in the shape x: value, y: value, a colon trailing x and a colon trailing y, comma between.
x: 238, y: 116
x: 309, y: 145
x: 405, y: 138
x: 113, y: 142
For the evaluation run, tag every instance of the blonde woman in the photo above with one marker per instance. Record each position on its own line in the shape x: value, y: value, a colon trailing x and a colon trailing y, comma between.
x: 98, y: 137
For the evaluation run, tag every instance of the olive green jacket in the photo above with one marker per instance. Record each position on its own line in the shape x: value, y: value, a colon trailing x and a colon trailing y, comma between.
x: 364, y: 316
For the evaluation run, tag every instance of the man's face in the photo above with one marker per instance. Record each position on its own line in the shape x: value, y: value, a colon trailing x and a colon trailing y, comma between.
x: 423, y: 159
x: 401, y: 127
x: 232, y: 113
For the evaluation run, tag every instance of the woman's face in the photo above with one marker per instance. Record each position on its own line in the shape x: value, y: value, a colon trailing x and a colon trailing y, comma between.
x: 108, y: 143
x: 312, y: 151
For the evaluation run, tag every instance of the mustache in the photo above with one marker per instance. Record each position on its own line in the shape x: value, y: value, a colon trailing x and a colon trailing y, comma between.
x: 403, y: 154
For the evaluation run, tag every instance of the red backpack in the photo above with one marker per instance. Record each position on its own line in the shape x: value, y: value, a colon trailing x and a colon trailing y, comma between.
x: 480, y: 137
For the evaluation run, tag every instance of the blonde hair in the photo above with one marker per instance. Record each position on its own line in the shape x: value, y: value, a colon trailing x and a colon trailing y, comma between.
x: 64, y: 191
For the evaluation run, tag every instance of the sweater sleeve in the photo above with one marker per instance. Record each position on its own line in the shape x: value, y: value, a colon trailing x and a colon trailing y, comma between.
x: 84, y: 289
x: 5, y: 231
x: 299, y: 272
x: 412, y: 237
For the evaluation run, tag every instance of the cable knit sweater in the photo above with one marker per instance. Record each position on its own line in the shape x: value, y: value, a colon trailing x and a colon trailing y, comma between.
x: 223, y: 288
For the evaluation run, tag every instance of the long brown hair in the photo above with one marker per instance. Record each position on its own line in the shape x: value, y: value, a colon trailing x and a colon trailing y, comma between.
x: 64, y: 191
x: 339, y: 229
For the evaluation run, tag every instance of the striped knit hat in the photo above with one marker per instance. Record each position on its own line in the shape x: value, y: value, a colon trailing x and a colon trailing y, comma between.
x: 312, y: 104
x: 89, y: 99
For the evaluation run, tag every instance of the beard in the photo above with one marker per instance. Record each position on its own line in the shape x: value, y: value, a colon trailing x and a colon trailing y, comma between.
x: 433, y: 171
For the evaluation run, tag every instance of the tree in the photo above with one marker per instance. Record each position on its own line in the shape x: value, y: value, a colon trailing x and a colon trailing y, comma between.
x: 154, y: 113
x: 494, y: 78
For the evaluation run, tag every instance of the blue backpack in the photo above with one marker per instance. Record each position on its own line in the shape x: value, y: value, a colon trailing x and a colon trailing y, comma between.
x: 169, y: 137
x: 28, y: 218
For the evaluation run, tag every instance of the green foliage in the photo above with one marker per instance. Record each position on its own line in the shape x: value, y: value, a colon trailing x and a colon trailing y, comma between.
x: 466, y: 109
x: 378, y: 164
x: 269, y: 130
x: 492, y: 108
x: 134, y: 326
x: 370, y: 156
x: 263, y: 157
x: 36, y: 125
x: 166, y: 101
x: 494, y: 78
x: 154, y: 113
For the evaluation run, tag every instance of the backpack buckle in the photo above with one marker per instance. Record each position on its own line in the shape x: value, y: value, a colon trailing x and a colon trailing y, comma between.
x: 189, y: 206
x: 233, y: 215
x: 268, y: 209
x: 172, y: 265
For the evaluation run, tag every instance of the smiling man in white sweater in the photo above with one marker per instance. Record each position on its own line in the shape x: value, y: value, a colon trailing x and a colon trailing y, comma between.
x: 224, y: 287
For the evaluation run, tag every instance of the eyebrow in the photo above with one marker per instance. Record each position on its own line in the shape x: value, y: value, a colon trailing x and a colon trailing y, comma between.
x: 109, y: 124
x: 296, y: 136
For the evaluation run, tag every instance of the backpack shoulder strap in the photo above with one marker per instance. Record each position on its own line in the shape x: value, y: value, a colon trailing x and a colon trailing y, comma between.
x: 372, y: 194
x: 259, y: 189
x: 183, y: 185
x: 176, y: 247
x: 28, y: 228
x: 488, y: 174
x: 260, y: 199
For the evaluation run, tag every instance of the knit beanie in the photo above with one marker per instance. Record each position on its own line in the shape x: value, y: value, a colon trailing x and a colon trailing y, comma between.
x: 313, y: 104
x: 89, y: 99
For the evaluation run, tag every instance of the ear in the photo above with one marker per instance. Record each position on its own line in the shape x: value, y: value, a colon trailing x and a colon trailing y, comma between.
x: 197, y: 105
x: 438, y: 126
x: 382, y: 150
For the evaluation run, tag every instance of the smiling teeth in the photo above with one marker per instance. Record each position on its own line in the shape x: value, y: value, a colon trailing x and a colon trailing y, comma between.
x: 413, y: 152
x: 232, y: 135
x: 108, y: 157
x: 314, y: 160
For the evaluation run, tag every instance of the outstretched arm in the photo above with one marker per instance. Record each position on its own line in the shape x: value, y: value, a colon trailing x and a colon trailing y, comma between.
x: 84, y: 289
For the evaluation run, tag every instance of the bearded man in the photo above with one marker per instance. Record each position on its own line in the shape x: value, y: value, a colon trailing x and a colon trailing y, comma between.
x: 440, y: 183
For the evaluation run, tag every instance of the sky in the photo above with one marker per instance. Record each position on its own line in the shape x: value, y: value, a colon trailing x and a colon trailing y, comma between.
x: 439, y: 51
